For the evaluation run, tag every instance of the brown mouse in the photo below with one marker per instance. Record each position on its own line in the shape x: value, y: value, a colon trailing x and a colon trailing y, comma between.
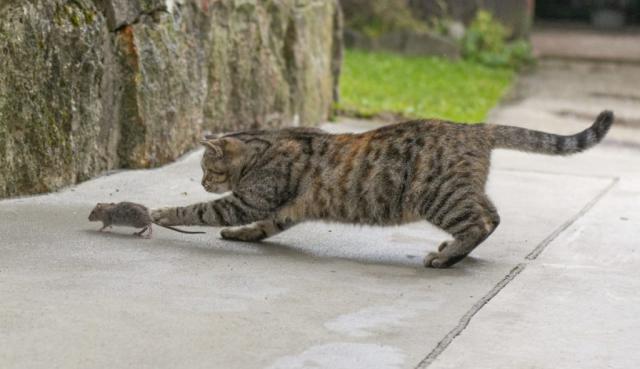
x: 128, y: 214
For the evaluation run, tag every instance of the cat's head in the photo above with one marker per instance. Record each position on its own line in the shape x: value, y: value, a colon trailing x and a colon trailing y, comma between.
x: 222, y: 162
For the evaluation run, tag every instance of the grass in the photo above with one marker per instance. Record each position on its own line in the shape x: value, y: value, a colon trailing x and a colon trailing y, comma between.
x: 374, y: 83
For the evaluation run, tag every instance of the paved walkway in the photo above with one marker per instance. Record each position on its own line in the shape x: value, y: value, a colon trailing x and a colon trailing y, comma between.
x: 556, y: 286
x: 579, y: 42
x: 572, y: 301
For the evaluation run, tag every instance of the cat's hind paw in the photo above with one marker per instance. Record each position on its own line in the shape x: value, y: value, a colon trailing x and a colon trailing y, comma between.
x: 434, y: 260
x: 440, y: 260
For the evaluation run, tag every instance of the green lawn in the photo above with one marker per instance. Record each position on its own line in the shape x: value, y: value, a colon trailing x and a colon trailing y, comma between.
x: 420, y: 87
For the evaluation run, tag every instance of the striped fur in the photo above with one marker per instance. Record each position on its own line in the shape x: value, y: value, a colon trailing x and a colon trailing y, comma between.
x: 549, y: 143
x: 400, y: 173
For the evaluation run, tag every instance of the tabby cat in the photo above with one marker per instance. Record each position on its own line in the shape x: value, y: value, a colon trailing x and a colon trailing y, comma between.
x: 418, y: 170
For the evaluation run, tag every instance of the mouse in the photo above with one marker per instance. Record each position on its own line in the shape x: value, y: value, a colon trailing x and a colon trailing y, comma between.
x: 128, y: 214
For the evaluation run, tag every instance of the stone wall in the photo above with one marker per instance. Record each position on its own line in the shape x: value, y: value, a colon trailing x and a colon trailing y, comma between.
x: 88, y: 86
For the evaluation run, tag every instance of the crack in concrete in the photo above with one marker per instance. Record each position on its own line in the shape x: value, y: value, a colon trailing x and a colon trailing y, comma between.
x: 543, y: 245
x: 466, y: 318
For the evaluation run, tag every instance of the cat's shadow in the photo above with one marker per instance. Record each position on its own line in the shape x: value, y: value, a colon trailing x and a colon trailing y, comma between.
x: 271, y: 248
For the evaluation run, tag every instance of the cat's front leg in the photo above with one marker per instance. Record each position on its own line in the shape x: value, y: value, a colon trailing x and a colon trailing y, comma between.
x: 227, y: 211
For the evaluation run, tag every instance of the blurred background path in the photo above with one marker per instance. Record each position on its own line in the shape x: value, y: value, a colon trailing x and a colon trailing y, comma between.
x: 574, y: 305
x: 577, y: 41
x: 571, y: 301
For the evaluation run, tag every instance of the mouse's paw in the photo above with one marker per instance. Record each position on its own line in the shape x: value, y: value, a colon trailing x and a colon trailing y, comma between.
x: 165, y: 216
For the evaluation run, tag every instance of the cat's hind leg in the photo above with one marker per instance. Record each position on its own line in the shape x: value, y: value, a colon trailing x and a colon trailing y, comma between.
x: 470, y: 224
x: 256, y: 231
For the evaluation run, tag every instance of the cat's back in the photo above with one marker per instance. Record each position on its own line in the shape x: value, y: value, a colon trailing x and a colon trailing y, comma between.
x: 396, y: 142
x: 371, y: 177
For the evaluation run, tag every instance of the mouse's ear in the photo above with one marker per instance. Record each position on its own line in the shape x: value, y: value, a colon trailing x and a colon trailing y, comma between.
x: 214, y: 146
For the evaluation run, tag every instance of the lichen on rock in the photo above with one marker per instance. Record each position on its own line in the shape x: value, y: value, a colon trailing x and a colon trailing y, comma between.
x: 50, y: 73
x: 88, y: 86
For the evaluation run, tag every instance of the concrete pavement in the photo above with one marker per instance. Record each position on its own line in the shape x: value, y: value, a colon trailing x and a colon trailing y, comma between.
x: 573, y: 304
x: 325, y: 296
x: 575, y: 41
x: 555, y: 286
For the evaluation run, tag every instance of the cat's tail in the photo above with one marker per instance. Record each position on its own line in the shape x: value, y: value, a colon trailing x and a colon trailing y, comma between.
x: 523, y: 139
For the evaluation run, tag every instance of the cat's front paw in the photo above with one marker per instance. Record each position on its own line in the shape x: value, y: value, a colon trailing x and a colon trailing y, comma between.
x: 247, y: 234
x: 165, y: 216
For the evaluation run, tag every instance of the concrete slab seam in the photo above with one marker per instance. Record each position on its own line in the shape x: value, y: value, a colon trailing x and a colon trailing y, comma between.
x: 543, y: 245
x: 466, y: 318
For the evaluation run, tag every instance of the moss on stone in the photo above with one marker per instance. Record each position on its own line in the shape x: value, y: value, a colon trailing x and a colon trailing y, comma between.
x: 84, y: 99
x: 89, y: 16
x: 75, y: 20
x: 42, y: 81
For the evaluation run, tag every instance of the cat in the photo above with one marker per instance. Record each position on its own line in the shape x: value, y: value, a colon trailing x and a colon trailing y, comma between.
x: 418, y: 170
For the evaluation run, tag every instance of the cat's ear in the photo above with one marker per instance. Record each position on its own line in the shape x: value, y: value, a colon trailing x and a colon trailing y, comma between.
x: 214, y: 146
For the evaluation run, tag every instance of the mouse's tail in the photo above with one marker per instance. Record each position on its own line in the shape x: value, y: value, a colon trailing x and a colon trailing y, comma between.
x: 178, y: 230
